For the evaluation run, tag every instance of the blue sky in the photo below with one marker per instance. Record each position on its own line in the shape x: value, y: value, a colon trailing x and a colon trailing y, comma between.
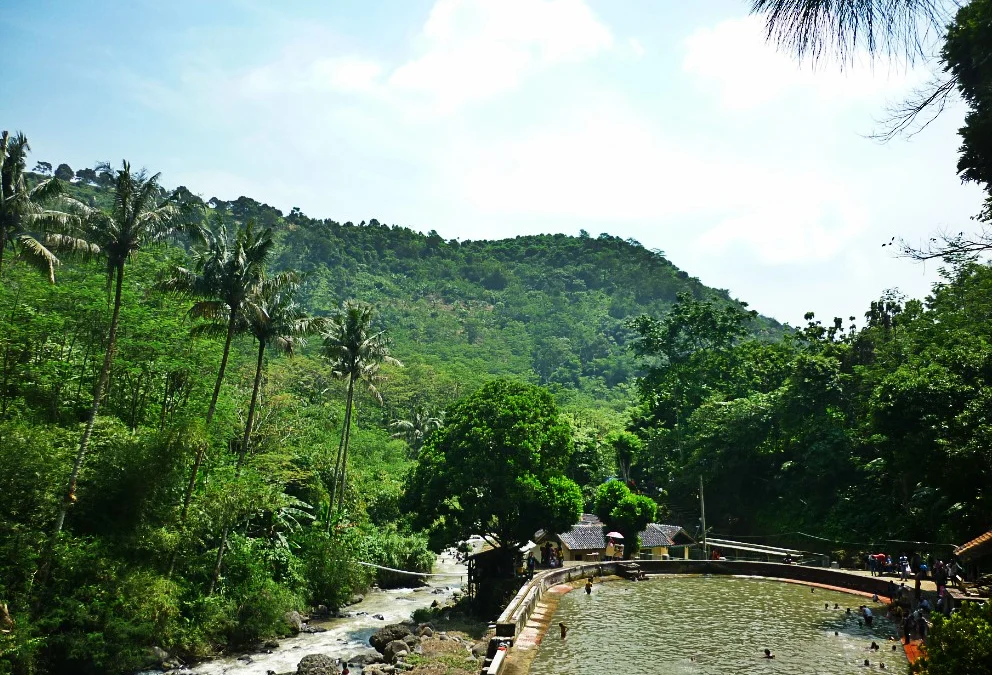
x: 670, y: 122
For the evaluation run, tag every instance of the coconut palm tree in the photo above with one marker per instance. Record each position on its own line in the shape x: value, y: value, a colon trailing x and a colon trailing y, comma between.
x: 138, y: 217
x: 275, y: 320
x: 356, y: 353
x: 416, y: 429
x: 23, y: 214
x: 225, y: 270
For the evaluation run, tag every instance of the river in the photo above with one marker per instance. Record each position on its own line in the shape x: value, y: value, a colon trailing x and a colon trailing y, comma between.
x: 714, y: 625
x: 346, y: 637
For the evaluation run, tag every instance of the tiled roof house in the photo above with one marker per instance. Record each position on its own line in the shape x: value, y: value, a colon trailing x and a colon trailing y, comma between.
x: 587, y: 540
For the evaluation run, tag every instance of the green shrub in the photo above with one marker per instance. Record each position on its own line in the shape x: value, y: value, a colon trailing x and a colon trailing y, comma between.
x: 331, y: 573
x: 385, y: 546
x: 959, y: 644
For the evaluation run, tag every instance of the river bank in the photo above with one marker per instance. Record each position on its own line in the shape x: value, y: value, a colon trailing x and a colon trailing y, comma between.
x: 341, y: 638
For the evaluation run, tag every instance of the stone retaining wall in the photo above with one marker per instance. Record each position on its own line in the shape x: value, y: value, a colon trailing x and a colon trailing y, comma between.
x: 515, y: 616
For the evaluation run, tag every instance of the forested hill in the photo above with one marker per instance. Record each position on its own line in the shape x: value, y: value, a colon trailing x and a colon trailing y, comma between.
x: 549, y: 308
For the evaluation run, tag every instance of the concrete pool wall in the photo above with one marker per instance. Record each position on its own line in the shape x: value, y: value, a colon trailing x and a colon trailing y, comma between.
x: 518, y: 612
x: 515, y: 616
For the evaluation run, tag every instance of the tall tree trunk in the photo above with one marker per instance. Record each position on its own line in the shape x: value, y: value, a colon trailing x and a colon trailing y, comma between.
x: 101, y: 385
x: 231, y: 323
x: 3, y: 246
x: 337, y: 464
x: 188, y: 496
x: 241, y: 458
x: 347, y: 435
x: 337, y: 468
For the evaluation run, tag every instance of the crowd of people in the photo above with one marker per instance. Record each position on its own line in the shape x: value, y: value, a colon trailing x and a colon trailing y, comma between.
x: 906, y: 567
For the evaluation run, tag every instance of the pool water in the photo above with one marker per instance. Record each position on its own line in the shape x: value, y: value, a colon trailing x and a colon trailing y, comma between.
x: 714, y: 625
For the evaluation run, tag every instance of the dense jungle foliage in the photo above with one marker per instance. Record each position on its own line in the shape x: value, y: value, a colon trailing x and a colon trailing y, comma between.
x: 201, y: 505
x: 205, y: 507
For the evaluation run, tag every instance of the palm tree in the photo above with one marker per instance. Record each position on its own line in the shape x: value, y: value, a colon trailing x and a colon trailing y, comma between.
x: 136, y: 219
x: 356, y: 353
x: 225, y: 271
x: 416, y: 429
x: 275, y: 320
x: 22, y: 211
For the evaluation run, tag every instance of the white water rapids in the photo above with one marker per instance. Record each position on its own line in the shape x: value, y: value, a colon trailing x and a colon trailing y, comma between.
x: 346, y: 637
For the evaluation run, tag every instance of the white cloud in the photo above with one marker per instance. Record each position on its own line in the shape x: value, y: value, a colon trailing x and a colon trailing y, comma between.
x: 798, y: 228
x: 467, y: 51
x: 503, y: 118
x: 636, y: 48
x: 735, y: 60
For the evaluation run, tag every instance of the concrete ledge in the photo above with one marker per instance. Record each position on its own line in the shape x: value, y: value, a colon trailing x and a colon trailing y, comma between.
x: 515, y: 616
x: 814, y: 575
x: 513, y: 619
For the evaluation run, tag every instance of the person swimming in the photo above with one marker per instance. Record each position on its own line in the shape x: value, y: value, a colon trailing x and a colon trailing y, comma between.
x: 867, y: 664
x: 874, y: 646
x: 836, y: 606
x: 564, y: 629
x: 768, y: 654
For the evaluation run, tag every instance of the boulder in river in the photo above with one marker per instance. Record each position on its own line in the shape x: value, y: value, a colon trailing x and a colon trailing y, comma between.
x: 317, y: 664
x: 362, y: 660
x: 395, y: 649
x: 157, y: 655
x: 386, y: 634
x: 294, y: 622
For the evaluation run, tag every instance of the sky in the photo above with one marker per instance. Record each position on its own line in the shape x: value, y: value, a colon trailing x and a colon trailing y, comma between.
x: 673, y: 123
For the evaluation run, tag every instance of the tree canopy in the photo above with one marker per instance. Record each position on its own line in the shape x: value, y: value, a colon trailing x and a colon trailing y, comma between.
x: 497, y: 469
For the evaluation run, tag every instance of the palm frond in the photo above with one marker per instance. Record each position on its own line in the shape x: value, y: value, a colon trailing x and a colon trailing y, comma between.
x: 35, y: 254
x: 45, y: 190
x: 76, y: 246
x: 181, y: 281
x: 816, y: 28
x: 212, y: 310
x: 51, y: 220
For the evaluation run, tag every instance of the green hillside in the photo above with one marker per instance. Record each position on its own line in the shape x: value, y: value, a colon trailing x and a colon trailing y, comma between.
x: 130, y: 517
x: 550, y: 309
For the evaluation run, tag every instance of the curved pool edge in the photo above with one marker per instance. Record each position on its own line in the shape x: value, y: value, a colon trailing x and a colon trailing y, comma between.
x: 533, y: 596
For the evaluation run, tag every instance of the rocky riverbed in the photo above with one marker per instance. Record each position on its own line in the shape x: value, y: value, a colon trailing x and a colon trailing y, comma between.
x: 339, y: 638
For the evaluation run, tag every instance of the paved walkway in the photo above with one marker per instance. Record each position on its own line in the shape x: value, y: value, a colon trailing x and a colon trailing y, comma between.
x: 925, y: 584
